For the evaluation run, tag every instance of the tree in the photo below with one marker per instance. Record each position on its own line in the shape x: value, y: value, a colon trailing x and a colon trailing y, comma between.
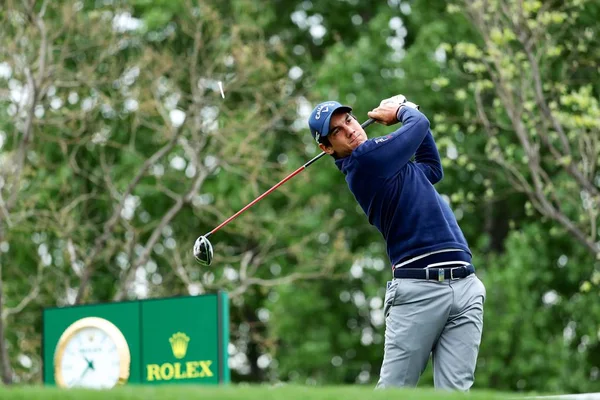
x: 119, y: 150
x: 537, y: 102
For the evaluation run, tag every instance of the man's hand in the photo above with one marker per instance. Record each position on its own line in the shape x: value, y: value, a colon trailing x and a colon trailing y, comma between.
x: 386, y: 113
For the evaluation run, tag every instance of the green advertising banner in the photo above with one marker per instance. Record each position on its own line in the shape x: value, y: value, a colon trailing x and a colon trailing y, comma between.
x: 154, y: 341
x: 178, y: 347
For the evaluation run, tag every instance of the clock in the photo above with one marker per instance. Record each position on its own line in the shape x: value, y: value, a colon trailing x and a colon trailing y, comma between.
x: 91, y: 353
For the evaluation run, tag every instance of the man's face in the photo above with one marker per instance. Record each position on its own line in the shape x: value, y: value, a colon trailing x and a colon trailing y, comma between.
x: 345, y: 135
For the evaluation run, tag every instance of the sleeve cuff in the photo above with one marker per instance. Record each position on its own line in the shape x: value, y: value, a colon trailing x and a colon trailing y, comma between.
x: 401, y: 111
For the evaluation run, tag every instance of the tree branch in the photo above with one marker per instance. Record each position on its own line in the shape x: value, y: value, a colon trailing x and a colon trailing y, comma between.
x: 112, y: 222
x: 166, y: 219
x: 285, y: 280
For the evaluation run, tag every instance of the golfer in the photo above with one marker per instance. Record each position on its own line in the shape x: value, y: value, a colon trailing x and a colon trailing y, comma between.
x: 434, y: 304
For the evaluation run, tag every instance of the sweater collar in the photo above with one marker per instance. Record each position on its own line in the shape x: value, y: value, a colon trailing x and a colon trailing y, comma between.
x: 341, y: 163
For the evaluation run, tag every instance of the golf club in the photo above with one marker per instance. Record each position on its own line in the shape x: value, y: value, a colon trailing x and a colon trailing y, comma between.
x: 203, y: 250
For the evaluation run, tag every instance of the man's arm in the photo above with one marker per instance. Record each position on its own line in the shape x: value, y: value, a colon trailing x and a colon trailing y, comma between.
x: 427, y: 159
x: 388, y: 154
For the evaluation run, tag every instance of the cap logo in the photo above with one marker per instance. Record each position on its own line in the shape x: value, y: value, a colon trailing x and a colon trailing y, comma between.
x: 323, y: 108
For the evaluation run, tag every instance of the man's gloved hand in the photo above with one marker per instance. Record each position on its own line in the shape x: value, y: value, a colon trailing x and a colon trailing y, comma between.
x: 397, y: 99
x: 387, y: 112
x: 411, y: 105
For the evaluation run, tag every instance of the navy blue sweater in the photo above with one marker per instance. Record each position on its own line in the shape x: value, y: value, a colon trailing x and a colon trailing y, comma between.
x: 397, y: 194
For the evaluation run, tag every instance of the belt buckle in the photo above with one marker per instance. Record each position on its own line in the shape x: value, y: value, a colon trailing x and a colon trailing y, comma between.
x: 452, y: 278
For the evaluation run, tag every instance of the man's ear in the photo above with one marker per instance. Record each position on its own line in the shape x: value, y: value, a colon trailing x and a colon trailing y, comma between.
x: 328, y: 150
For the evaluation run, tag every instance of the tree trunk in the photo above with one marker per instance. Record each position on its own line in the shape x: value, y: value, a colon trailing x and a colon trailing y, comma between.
x: 7, y: 376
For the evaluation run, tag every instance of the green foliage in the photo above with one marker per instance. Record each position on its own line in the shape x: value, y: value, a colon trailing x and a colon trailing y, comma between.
x: 532, y: 336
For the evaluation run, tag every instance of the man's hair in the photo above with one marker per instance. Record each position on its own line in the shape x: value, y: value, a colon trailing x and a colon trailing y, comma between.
x: 325, y: 141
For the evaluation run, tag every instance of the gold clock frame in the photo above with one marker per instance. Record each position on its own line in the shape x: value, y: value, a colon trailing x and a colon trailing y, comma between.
x: 113, y: 333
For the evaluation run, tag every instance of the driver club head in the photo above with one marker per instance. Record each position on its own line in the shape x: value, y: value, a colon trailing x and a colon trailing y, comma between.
x: 203, y: 251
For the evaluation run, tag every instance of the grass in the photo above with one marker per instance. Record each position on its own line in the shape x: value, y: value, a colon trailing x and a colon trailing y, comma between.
x: 245, y: 392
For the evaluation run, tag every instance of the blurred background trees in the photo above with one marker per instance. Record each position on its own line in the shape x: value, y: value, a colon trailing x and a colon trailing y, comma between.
x: 117, y: 151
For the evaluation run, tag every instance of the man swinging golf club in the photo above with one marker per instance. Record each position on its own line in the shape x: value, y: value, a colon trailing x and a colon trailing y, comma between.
x: 434, y: 304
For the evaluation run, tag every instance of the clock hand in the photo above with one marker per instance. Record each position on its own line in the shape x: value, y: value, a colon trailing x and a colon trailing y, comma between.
x: 90, y: 363
x: 77, y: 380
x: 84, y: 372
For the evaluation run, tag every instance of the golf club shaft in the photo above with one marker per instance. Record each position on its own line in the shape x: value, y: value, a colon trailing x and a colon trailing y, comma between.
x: 284, y: 180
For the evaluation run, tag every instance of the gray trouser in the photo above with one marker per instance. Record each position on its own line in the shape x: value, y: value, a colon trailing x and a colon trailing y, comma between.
x: 423, y: 317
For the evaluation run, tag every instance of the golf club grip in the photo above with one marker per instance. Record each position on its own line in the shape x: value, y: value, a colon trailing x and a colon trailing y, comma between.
x: 367, y: 123
x: 284, y: 180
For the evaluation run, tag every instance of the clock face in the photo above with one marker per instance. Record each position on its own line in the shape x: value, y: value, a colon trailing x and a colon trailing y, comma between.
x: 91, y: 359
x: 92, y: 353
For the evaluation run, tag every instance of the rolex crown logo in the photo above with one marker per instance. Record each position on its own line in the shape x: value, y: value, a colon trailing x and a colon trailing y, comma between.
x: 179, y: 344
